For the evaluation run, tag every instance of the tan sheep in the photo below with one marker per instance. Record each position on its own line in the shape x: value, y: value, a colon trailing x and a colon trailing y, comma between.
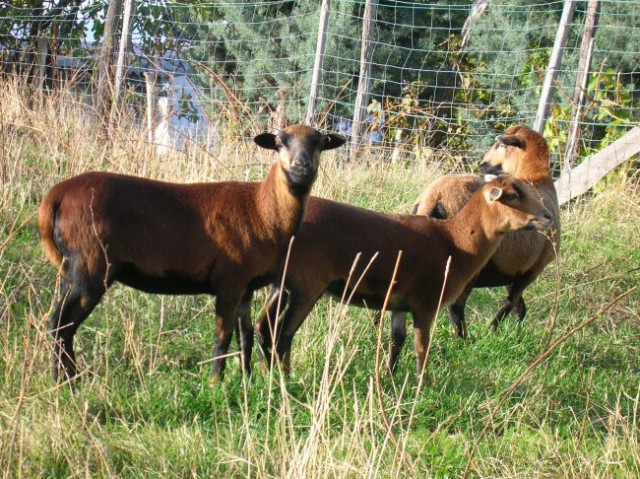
x: 521, y: 257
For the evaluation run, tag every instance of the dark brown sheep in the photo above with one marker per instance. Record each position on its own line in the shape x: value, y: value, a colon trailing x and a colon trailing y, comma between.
x: 221, y: 238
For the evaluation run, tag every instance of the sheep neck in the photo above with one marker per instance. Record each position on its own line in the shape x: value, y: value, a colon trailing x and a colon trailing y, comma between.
x: 538, y: 175
x: 533, y: 173
x: 279, y: 209
x: 475, y: 236
x: 534, y: 164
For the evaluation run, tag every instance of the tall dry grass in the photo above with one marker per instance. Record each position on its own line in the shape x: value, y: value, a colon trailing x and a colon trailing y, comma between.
x: 503, y: 406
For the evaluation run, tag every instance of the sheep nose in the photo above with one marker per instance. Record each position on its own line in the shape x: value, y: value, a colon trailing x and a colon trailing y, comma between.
x: 489, y: 169
x: 303, y: 160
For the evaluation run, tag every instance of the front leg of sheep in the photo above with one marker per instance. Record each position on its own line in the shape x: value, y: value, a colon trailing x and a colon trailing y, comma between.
x: 226, y: 314
x: 422, y: 321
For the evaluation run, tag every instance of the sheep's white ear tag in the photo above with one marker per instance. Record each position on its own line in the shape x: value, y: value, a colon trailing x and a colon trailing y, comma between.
x: 493, y: 194
x: 488, y: 178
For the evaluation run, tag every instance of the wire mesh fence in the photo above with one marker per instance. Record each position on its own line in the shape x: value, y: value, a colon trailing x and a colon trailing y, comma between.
x: 416, y: 80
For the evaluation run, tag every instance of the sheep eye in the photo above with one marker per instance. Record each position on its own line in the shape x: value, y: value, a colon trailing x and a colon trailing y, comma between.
x: 518, y: 190
x: 510, y: 196
x: 281, y: 142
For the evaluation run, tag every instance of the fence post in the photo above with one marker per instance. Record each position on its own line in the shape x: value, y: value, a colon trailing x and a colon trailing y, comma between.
x: 362, y: 96
x: 554, y: 64
x: 317, y: 64
x: 105, y: 59
x: 129, y: 5
x: 150, y: 79
x: 580, y: 91
x: 41, y: 63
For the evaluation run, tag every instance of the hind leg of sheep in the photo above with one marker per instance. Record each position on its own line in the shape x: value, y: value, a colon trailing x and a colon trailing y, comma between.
x: 514, y: 299
x: 398, y: 337
x: 75, y: 304
x: 244, y: 329
x: 456, y: 312
x: 266, y: 331
x: 300, y: 305
x: 456, y: 316
x: 521, y: 308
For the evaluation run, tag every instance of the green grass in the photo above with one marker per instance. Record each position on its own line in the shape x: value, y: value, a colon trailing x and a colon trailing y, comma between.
x: 144, y: 407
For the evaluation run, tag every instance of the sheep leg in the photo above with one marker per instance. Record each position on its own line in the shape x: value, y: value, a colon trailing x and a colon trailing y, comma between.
x: 422, y: 345
x: 456, y: 311
x: 514, y: 298
x: 266, y: 331
x: 226, y: 314
x: 244, y: 332
x: 300, y: 305
x: 422, y: 320
x: 520, y: 308
x: 75, y: 304
x: 398, y: 337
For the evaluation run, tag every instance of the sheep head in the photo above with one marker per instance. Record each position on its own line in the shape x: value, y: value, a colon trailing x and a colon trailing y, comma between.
x: 519, y: 151
x: 518, y: 204
x: 299, y: 148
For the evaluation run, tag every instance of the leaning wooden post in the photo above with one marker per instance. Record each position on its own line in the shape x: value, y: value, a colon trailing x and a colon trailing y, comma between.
x: 580, y: 91
x: 554, y: 65
x: 592, y: 169
x: 366, y: 55
x: 317, y: 65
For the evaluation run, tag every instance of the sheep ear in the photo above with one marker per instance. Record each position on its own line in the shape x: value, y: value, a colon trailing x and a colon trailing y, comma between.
x: 266, y: 140
x: 438, y: 212
x: 492, y: 194
x: 333, y: 140
x: 510, y: 140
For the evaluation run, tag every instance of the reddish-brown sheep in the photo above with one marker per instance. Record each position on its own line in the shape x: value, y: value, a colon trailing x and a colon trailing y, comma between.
x: 333, y: 234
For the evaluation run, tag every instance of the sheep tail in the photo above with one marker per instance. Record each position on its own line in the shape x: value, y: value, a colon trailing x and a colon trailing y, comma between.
x: 47, y: 219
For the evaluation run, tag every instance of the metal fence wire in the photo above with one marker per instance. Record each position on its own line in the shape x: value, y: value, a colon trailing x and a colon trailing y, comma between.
x: 418, y: 80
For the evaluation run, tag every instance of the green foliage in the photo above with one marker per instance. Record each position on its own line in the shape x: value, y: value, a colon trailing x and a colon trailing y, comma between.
x: 613, y: 104
x: 525, y: 57
x: 267, y: 50
x: 507, y: 81
x: 429, y: 91
x: 607, y: 114
x: 23, y: 21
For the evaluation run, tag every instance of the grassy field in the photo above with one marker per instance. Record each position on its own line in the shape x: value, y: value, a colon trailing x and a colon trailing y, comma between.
x: 558, y: 396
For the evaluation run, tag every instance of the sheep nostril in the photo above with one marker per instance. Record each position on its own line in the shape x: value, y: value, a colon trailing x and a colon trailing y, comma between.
x: 303, y: 163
